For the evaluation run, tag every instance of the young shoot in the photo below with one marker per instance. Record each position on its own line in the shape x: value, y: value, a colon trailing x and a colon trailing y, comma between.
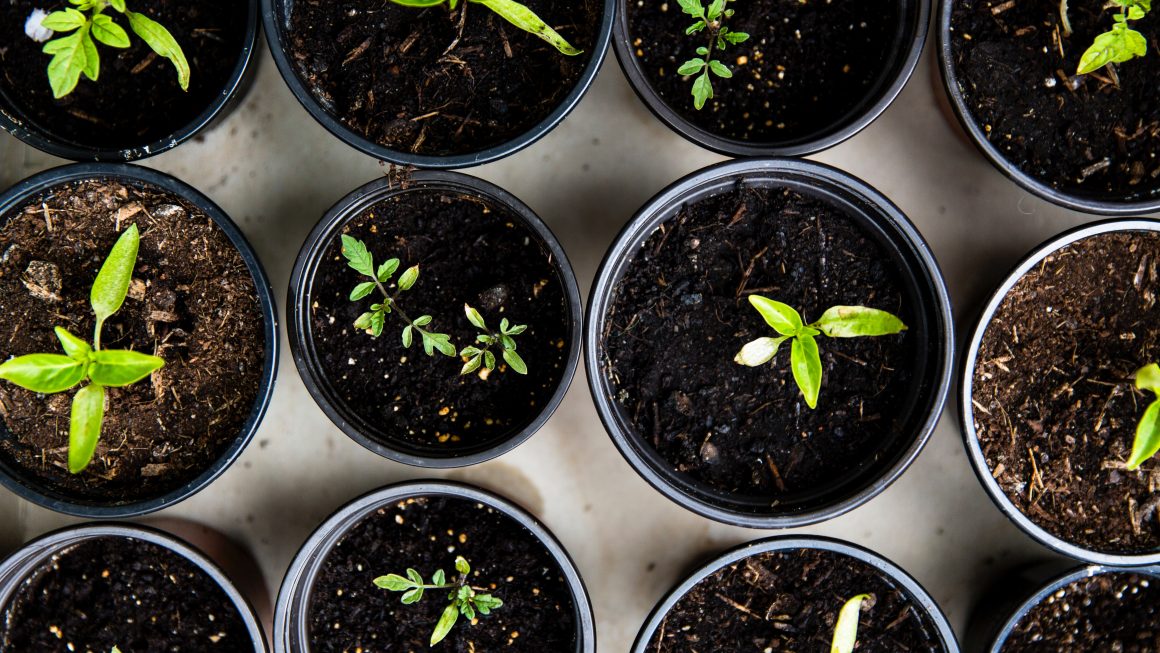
x: 805, y: 361
x: 477, y: 356
x: 465, y: 599
x: 710, y: 19
x: 374, y: 321
x: 102, y: 368
x: 1119, y: 44
x: 511, y: 11
x: 846, y: 627
x: 1147, y: 441
x: 77, y: 54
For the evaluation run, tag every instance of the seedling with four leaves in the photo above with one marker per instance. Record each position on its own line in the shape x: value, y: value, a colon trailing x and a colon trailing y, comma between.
x: 1117, y: 45
x: 805, y: 361
x: 504, y: 338
x: 511, y: 11
x: 846, y: 627
x: 465, y: 599
x: 710, y: 19
x: 1147, y: 441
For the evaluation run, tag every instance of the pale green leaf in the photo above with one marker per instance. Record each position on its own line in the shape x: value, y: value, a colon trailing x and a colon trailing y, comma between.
x: 1147, y: 441
x: 408, y: 278
x: 393, y: 582
x: 513, y: 359
x: 439, y: 578
x: 489, y: 360
x: 474, y: 317
x: 117, y: 368
x: 782, y: 317
x: 413, y: 596
x: 415, y: 576
x: 462, y: 566
x: 387, y: 269
x: 691, y: 67
x: 88, y: 411
x: 65, y: 21
x: 527, y: 20
x: 1148, y: 378
x: 472, y: 364
x: 357, y: 256
x: 854, y: 321
x: 119, y: 5
x: 112, y: 282
x: 76, y: 348
x: 108, y: 32
x: 362, y: 290
x: 446, y: 623
x: 719, y: 69
x: 43, y: 373
x: 759, y: 351
x: 806, y: 364
x: 363, y: 322
x: 702, y: 90
x: 69, y: 60
x: 162, y: 42
x: 692, y: 7
x: 407, y: 336
x: 92, y: 68
x: 846, y: 628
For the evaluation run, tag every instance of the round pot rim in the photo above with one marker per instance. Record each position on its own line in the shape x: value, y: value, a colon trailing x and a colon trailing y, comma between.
x: 335, y: 126
x: 246, y: 63
x: 855, y: 121
x: 1025, y: 181
x: 305, y: 267
x: 266, y: 309
x: 886, y: 567
x: 888, y: 215
x: 54, y: 540
x: 322, y: 540
x: 966, y: 411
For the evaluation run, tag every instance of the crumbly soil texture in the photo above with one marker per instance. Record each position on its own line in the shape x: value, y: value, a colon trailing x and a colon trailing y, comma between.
x: 789, y: 601
x: 123, y: 592
x: 348, y: 612
x: 469, y: 251
x: 192, y: 302
x: 1087, y: 135
x: 680, y: 313
x: 434, y: 82
x: 1115, y: 611
x: 136, y: 100
x: 1055, y: 407
x: 806, y: 66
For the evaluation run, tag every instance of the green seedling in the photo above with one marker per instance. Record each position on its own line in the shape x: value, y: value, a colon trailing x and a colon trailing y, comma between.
x: 1117, y: 45
x: 115, y: 650
x: 1147, y: 441
x: 511, y: 11
x: 846, y: 628
x: 504, y: 338
x: 374, y: 321
x: 77, y: 54
x: 102, y: 368
x: 710, y: 19
x: 805, y: 361
x: 465, y: 599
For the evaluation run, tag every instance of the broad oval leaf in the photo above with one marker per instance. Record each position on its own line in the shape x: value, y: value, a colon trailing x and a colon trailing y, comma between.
x: 112, y: 282
x: 471, y: 365
x: 758, y: 352
x: 489, y: 360
x: 393, y: 582
x: 691, y: 67
x: 467, y: 609
x: 719, y: 69
x: 438, y: 578
x: 408, y: 278
x: 44, y: 373
x: 1147, y: 441
x: 446, y: 622
x: 462, y: 566
x: 88, y: 411
x: 108, y: 32
x: 117, y: 367
x: 854, y: 321
x: 65, y: 20
x: 363, y: 322
x: 162, y: 42
x: 357, y: 256
x: 362, y: 290
x: 92, y: 68
x: 387, y: 269
x: 407, y: 335
x: 702, y: 89
x: 76, y: 348
x: 513, y: 359
x: 846, y: 628
x: 782, y: 317
x: 378, y: 323
x: 527, y: 20
x: 474, y: 317
x: 69, y: 60
x: 806, y: 364
x: 1148, y: 378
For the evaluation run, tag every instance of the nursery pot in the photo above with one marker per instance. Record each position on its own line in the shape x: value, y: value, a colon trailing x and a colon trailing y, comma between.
x: 393, y: 433
x: 77, y: 501
x: 47, y: 123
x: 974, y: 360
x: 865, y: 213
x: 301, y: 585
x: 858, y: 562
x: 899, y: 50
x: 378, y: 47
x: 40, y: 555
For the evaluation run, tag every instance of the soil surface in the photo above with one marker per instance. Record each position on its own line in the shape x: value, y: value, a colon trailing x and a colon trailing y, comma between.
x: 192, y: 302
x: 681, y: 313
x: 348, y: 612
x: 1082, y: 135
x: 434, y: 82
x: 118, y: 591
x: 1054, y: 403
x: 137, y: 100
x: 789, y: 601
x: 806, y: 66
x: 1110, y: 612
x: 468, y: 251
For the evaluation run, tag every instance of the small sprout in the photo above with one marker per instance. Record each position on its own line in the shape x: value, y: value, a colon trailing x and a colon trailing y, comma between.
x: 805, y: 361
x: 465, y: 599
x: 1147, y: 441
x: 511, y: 11
x: 482, y: 356
x: 115, y: 650
x: 846, y: 627
x: 1119, y: 44
x: 710, y: 19
x: 52, y: 373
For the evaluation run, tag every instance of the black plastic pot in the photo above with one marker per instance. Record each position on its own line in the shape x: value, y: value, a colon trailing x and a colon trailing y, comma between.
x: 291, y: 622
x: 29, y: 129
x: 922, y: 600
x: 905, y: 52
x: 317, y: 246
x: 54, y: 499
x: 40, y: 552
x: 276, y: 19
x: 933, y: 326
x: 966, y: 390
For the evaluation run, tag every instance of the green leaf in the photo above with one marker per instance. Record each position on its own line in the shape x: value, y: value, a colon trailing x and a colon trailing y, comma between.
x: 782, y: 317
x: 409, y: 277
x: 446, y: 623
x: 407, y: 335
x: 88, y: 411
x: 855, y: 321
x: 441, y: 342
x: 69, y: 59
x: 357, y: 256
x: 507, y: 341
x: 463, y: 593
x: 692, y: 7
x: 118, y: 368
x: 92, y: 68
x: 115, y: 650
x: 415, y: 576
x: 419, y: 3
x: 759, y: 352
x: 387, y: 269
x: 76, y: 348
x: 517, y: 330
x: 715, y: 9
x: 363, y: 323
x: 806, y: 363
x: 467, y: 609
x: 513, y: 359
x: 112, y: 282
x: 474, y: 317
x: 469, y: 351
x: 1148, y: 378
x: 393, y: 582
x: 378, y: 322
x: 108, y: 32
x: 362, y: 290
x: 702, y: 90
x: 43, y: 373
x: 65, y: 21
x: 737, y: 37
x: 1147, y: 441
x: 472, y: 364
x: 703, y: 51
x: 422, y: 320
x: 439, y: 578
x: 695, y: 27
x: 163, y: 43
x: 489, y: 360
x: 719, y: 69
x: 119, y: 5
x: 527, y: 20
x: 485, y: 339
x: 846, y: 628
x: 691, y: 67
x: 485, y: 603
x: 413, y: 596
x: 1115, y: 46
x: 462, y: 566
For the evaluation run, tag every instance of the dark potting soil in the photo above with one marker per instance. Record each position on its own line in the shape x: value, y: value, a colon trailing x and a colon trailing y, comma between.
x: 468, y: 251
x: 192, y: 302
x: 789, y: 601
x: 414, y: 81
x: 137, y: 100
x: 1081, y: 135
x: 118, y: 591
x: 681, y: 313
x: 1116, y: 611
x: 1054, y: 403
x: 806, y: 65
x: 348, y: 612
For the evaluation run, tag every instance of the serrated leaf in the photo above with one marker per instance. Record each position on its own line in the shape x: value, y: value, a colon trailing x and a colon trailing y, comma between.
x: 393, y: 582
x: 43, y: 373
x: 462, y: 566
x: 118, y: 368
x: 73, y: 346
x: 513, y: 359
x: 88, y: 411
x: 108, y: 32
x: 719, y: 69
x: 408, y: 278
x: 781, y: 317
x: 806, y: 364
x: 692, y: 7
x: 439, y: 341
x: 69, y: 60
x: 357, y: 256
x: 759, y: 351
x: 474, y: 317
x: 362, y: 290
x: 112, y: 282
x: 527, y: 20
x: 691, y: 67
x: 445, y: 624
x: 162, y: 42
x: 407, y: 335
x: 846, y: 627
x: 387, y: 269
x: 855, y: 321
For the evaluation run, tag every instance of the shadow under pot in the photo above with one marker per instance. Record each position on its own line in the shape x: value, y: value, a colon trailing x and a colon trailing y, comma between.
x: 461, y: 343
x: 674, y: 311
x: 137, y: 106
x: 133, y: 411
x: 93, y: 587
x: 785, y: 594
x: 461, y: 542
x: 1086, y: 142
x: 1048, y: 400
x: 769, y: 77
x: 436, y: 87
